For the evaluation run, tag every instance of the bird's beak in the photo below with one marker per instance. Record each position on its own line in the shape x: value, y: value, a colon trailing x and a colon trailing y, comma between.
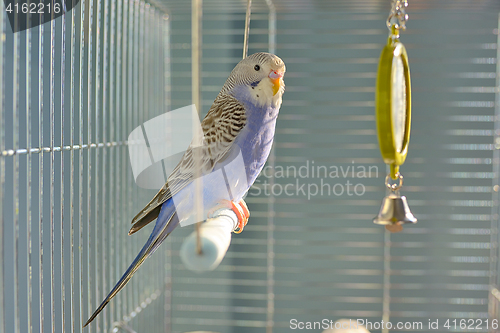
x: 276, y: 78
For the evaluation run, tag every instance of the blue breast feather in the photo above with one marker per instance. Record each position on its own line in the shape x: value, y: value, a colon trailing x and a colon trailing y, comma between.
x: 256, y: 138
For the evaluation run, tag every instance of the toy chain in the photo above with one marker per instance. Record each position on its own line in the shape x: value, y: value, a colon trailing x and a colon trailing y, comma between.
x: 397, y: 16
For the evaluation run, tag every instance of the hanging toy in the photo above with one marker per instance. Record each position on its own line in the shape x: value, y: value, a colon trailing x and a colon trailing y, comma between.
x: 393, y: 113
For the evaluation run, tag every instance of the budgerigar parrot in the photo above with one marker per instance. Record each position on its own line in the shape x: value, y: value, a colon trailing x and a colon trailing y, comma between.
x: 240, y: 122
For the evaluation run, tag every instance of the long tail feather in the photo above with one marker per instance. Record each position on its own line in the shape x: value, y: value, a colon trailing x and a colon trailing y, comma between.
x: 166, y: 223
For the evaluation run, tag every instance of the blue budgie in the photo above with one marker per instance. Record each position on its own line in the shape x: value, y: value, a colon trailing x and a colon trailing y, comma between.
x: 240, y: 124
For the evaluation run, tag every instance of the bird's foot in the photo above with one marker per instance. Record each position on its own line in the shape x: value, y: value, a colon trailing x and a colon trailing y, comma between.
x: 240, y: 209
x: 242, y: 222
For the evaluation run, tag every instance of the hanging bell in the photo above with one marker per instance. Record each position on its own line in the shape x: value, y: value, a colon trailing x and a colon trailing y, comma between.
x: 394, y: 211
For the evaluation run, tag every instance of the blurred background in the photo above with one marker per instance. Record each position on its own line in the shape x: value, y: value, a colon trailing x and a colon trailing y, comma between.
x: 73, y: 89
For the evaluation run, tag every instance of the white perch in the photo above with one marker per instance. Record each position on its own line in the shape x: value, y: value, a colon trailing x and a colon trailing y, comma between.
x: 215, y: 235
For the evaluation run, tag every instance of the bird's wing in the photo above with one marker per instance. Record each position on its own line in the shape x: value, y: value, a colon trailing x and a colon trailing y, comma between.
x: 221, y: 126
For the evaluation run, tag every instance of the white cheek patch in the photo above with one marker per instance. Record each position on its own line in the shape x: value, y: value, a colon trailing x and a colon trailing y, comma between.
x: 262, y: 94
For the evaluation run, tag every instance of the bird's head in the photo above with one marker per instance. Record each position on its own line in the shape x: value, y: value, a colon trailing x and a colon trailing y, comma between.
x: 260, y: 77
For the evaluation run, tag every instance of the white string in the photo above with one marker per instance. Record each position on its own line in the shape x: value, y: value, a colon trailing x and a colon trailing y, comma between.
x: 247, y: 28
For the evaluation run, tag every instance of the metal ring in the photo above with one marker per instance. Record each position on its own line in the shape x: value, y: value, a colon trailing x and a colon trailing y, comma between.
x: 398, y: 16
x: 394, y: 187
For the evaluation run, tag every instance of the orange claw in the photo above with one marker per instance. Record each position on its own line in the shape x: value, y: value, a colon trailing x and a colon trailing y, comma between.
x: 244, y: 207
x: 240, y: 209
x: 241, y: 213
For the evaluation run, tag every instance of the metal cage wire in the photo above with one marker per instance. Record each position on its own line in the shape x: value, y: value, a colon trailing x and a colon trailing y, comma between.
x: 77, y: 85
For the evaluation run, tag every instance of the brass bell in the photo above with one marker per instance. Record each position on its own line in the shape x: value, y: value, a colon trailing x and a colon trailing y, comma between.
x: 394, y: 211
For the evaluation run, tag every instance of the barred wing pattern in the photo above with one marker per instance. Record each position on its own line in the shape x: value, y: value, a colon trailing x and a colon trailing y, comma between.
x: 221, y: 126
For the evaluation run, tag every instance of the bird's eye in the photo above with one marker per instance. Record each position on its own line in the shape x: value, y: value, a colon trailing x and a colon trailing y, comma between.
x: 257, y: 68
